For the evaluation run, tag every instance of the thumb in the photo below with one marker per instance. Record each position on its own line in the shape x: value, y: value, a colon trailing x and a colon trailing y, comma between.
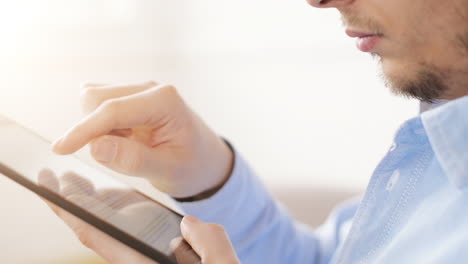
x: 124, y: 155
x: 209, y: 241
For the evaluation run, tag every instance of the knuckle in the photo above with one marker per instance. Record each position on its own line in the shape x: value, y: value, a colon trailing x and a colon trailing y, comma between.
x: 109, y: 112
x: 151, y: 83
x: 169, y: 90
x: 83, y: 235
x: 111, y: 108
x: 88, y: 92
x: 167, y: 94
x: 58, y: 212
x: 89, y: 98
x: 217, y: 229
x: 85, y: 85
x: 170, y: 95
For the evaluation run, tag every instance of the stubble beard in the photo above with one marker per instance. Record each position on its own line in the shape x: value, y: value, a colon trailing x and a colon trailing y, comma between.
x: 431, y: 83
x: 428, y: 83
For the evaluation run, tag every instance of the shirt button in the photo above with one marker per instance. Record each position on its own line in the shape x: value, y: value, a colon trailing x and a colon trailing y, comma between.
x: 393, y: 180
x: 393, y: 147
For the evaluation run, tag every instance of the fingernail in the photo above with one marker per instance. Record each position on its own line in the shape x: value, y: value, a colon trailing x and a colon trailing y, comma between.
x: 104, y: 150
x: 188, y: 221
x: 56, y: 144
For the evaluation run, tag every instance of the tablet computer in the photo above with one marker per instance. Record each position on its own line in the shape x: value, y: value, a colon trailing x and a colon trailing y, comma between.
x: 115, y: 208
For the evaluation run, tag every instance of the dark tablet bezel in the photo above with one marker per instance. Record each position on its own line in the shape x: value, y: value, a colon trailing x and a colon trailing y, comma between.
x: 91, y: 219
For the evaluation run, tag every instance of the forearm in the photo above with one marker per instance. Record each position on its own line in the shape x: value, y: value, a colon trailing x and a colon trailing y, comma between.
x: 261, y: 231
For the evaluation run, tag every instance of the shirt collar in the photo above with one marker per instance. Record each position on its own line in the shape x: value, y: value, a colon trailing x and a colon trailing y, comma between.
x: 426, y: 106
x: 446, y: 125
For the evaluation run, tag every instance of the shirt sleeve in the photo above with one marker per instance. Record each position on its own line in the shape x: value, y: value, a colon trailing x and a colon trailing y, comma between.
x: 260, y: 229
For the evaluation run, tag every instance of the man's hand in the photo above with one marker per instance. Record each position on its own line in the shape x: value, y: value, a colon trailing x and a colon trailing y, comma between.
x: 209, y: 241
x: 147, y: 130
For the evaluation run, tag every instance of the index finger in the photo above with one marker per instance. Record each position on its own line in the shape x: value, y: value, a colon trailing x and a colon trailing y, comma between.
x: 96, y: 124
x: 122, y: 113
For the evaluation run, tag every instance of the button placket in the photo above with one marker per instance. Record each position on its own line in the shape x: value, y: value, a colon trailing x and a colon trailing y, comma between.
x: 393, y: 180
x: 393, y: 146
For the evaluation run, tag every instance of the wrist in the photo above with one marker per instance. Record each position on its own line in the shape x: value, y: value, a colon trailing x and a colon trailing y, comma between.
x: 227, y: 171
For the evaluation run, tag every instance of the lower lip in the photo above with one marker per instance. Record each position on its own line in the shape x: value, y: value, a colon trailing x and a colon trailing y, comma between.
x: 368, y: 43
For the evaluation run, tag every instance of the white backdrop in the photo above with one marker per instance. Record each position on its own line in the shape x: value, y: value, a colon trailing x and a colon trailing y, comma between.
x: 277, y: 77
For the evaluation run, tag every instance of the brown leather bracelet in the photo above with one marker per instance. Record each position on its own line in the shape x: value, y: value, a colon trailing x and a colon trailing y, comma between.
x: 207, y: 194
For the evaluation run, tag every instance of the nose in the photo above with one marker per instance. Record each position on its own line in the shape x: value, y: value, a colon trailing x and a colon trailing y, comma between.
x: 330, y: 3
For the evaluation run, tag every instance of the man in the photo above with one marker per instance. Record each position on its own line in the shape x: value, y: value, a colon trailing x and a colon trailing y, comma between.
x: 415, y: 209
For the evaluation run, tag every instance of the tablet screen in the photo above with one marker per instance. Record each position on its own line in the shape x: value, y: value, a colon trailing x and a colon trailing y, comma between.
x: 88, y: 193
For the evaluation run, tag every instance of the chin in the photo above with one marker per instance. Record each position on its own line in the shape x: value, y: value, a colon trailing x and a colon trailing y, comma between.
x: 413, y: 80
x: 396, y: 72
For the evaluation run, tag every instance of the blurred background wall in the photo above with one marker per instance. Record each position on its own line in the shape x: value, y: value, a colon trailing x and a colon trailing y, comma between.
x: 277, y: 77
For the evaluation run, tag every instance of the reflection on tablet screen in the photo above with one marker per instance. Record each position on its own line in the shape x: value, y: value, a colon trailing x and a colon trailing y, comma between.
x: 29, y: 157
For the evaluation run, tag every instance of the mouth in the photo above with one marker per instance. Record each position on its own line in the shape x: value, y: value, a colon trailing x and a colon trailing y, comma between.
x: 366, y: 42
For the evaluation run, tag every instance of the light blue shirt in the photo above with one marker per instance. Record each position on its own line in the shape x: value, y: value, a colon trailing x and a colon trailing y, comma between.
x: 415, y: 209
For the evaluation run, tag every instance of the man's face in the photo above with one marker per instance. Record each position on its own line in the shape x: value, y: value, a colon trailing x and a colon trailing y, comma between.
x: 422, y: 44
